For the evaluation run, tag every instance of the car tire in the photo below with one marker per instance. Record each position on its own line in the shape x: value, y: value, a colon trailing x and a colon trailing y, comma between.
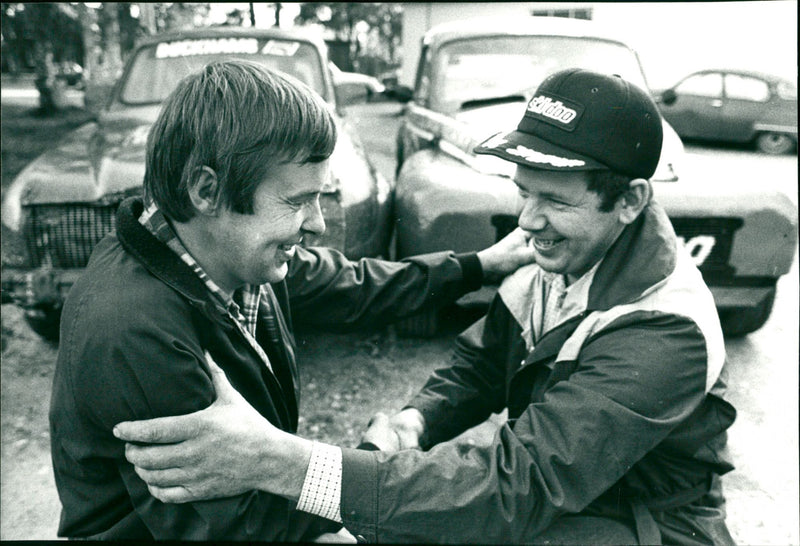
x: 741, y: 321
x: 774, y: 143
x: 45, y: 322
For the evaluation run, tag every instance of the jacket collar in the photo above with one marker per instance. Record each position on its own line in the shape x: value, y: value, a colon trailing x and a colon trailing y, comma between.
x: 162, y: 262
x: 643, y: 256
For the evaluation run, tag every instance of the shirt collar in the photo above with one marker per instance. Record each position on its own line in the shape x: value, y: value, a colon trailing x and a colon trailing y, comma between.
x: 154, y: 221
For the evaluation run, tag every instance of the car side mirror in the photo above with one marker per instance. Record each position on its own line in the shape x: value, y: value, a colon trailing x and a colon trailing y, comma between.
x: 348, y: 94
x: 399, y: 93
x: 669, y: 97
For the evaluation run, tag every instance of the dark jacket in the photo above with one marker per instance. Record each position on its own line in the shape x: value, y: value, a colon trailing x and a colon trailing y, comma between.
x: 133, y: 334
x: 616, y: 412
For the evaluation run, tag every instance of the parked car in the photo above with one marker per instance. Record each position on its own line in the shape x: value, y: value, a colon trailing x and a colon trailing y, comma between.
x: 64, y: 202
x: 474, y: 80
x: 734, y: 106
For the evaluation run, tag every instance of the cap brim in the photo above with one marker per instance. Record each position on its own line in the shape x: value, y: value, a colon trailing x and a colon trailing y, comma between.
x: 526, y: 149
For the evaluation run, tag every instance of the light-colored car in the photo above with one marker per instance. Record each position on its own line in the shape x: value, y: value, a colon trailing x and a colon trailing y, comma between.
x: 65, y: 201
x: 474, y: 79
x: 734, y: 106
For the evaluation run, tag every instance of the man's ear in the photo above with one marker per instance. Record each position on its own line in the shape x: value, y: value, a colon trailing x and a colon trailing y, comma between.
x: 634, y: 200
x: 203, y: 191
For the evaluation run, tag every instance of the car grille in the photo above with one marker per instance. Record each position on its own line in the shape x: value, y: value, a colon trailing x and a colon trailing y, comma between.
x: 63, y: 236
x: 709, y: 240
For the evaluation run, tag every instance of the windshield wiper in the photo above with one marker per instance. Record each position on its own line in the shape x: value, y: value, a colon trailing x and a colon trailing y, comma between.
x: 491, y: 101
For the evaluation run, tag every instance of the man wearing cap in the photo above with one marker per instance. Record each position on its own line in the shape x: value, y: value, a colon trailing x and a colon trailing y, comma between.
x: 607, y: 355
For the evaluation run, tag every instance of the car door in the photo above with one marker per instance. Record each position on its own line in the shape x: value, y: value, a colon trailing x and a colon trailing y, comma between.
x: 745, y: 102
x: 697, y: 109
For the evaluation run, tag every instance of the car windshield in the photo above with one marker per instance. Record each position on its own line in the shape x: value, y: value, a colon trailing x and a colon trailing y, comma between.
x: 157, y: 69
x: 495, y: 67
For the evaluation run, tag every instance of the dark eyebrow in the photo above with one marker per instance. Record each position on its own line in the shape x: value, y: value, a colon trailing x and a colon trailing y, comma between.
x: 303, y: 196
x: 546, y: 194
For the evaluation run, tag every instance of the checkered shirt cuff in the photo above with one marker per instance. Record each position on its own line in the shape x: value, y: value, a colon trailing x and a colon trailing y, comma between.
x: 322, y: 489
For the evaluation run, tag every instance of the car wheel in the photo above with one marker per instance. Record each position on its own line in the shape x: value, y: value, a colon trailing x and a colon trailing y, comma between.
x: 45, y: 322
x: 742, y: 321
x: 774, y: 143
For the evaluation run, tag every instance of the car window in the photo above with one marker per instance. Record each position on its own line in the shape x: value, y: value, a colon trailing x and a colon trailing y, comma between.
x: 157, y: 69
x: 746, y: 88
x: 500, y: 66
x: 701, y: 85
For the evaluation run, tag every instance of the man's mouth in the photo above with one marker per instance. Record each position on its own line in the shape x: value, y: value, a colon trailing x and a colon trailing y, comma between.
x: 541, y: 243
x: 289, y: 247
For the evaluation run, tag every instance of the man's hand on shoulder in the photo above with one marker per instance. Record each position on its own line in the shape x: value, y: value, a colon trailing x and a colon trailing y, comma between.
x: 507, y: 255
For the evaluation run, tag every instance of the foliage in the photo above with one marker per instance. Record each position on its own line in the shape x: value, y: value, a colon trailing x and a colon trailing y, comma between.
x: 373, y: 29
x: 97, y: 36
x: 94, y: 35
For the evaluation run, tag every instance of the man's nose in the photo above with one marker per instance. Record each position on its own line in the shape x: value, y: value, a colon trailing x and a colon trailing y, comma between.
x: 314, y: 222
x: 531, y: 218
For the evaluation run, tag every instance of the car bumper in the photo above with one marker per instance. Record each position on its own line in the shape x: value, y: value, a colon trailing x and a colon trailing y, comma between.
x: 740, y: 297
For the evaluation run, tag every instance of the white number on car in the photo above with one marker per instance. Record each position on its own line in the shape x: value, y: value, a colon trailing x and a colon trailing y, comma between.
x: 699, y: 247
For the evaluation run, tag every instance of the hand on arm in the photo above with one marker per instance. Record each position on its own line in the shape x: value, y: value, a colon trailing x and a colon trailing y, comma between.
x: 401, y: 431
x: 223, y: 450
x: 507, y: 255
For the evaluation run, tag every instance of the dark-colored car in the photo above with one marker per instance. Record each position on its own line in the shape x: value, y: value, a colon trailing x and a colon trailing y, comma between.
x: 475, y: 79
x: 65, y: 201
x: 734, y: 106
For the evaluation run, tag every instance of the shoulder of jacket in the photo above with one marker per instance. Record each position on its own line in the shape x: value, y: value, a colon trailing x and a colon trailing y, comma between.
x: 683, y: 295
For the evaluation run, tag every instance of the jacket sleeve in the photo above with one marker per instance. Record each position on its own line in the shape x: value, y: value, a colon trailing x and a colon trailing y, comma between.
x: 144, y: 367
x: 632, y: 385
x: 326, y: 289
x: 472, y: 387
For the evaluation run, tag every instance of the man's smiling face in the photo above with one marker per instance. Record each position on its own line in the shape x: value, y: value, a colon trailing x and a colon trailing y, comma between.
x: 570, y: 233
x: 255, y: 248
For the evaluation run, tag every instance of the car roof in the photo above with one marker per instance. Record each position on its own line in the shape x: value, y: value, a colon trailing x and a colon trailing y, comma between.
x: 742, y: 72
x: 528, y: 26
x: 228, y: 32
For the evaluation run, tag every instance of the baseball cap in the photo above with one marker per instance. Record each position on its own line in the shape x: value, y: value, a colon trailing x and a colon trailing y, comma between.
x: 579, y: 120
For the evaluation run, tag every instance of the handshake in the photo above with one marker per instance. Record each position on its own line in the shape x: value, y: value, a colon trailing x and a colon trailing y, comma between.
x: 403, y: 430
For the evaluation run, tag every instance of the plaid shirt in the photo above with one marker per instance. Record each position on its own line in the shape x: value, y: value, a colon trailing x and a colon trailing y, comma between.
x: 242, y: 307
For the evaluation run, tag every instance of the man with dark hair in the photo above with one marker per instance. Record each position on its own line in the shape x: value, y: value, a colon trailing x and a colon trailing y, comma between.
x: 209, y: 265
x: 607, y: 354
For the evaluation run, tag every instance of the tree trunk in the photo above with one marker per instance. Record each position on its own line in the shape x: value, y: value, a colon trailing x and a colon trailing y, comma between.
x: 147, y: 17
x: 103, y: 57
x: 51, y: 91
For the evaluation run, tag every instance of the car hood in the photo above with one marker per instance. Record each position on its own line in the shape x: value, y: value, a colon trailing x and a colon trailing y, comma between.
x: 101, y: 162
x: 471, y: 127
x: 97, y: 161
